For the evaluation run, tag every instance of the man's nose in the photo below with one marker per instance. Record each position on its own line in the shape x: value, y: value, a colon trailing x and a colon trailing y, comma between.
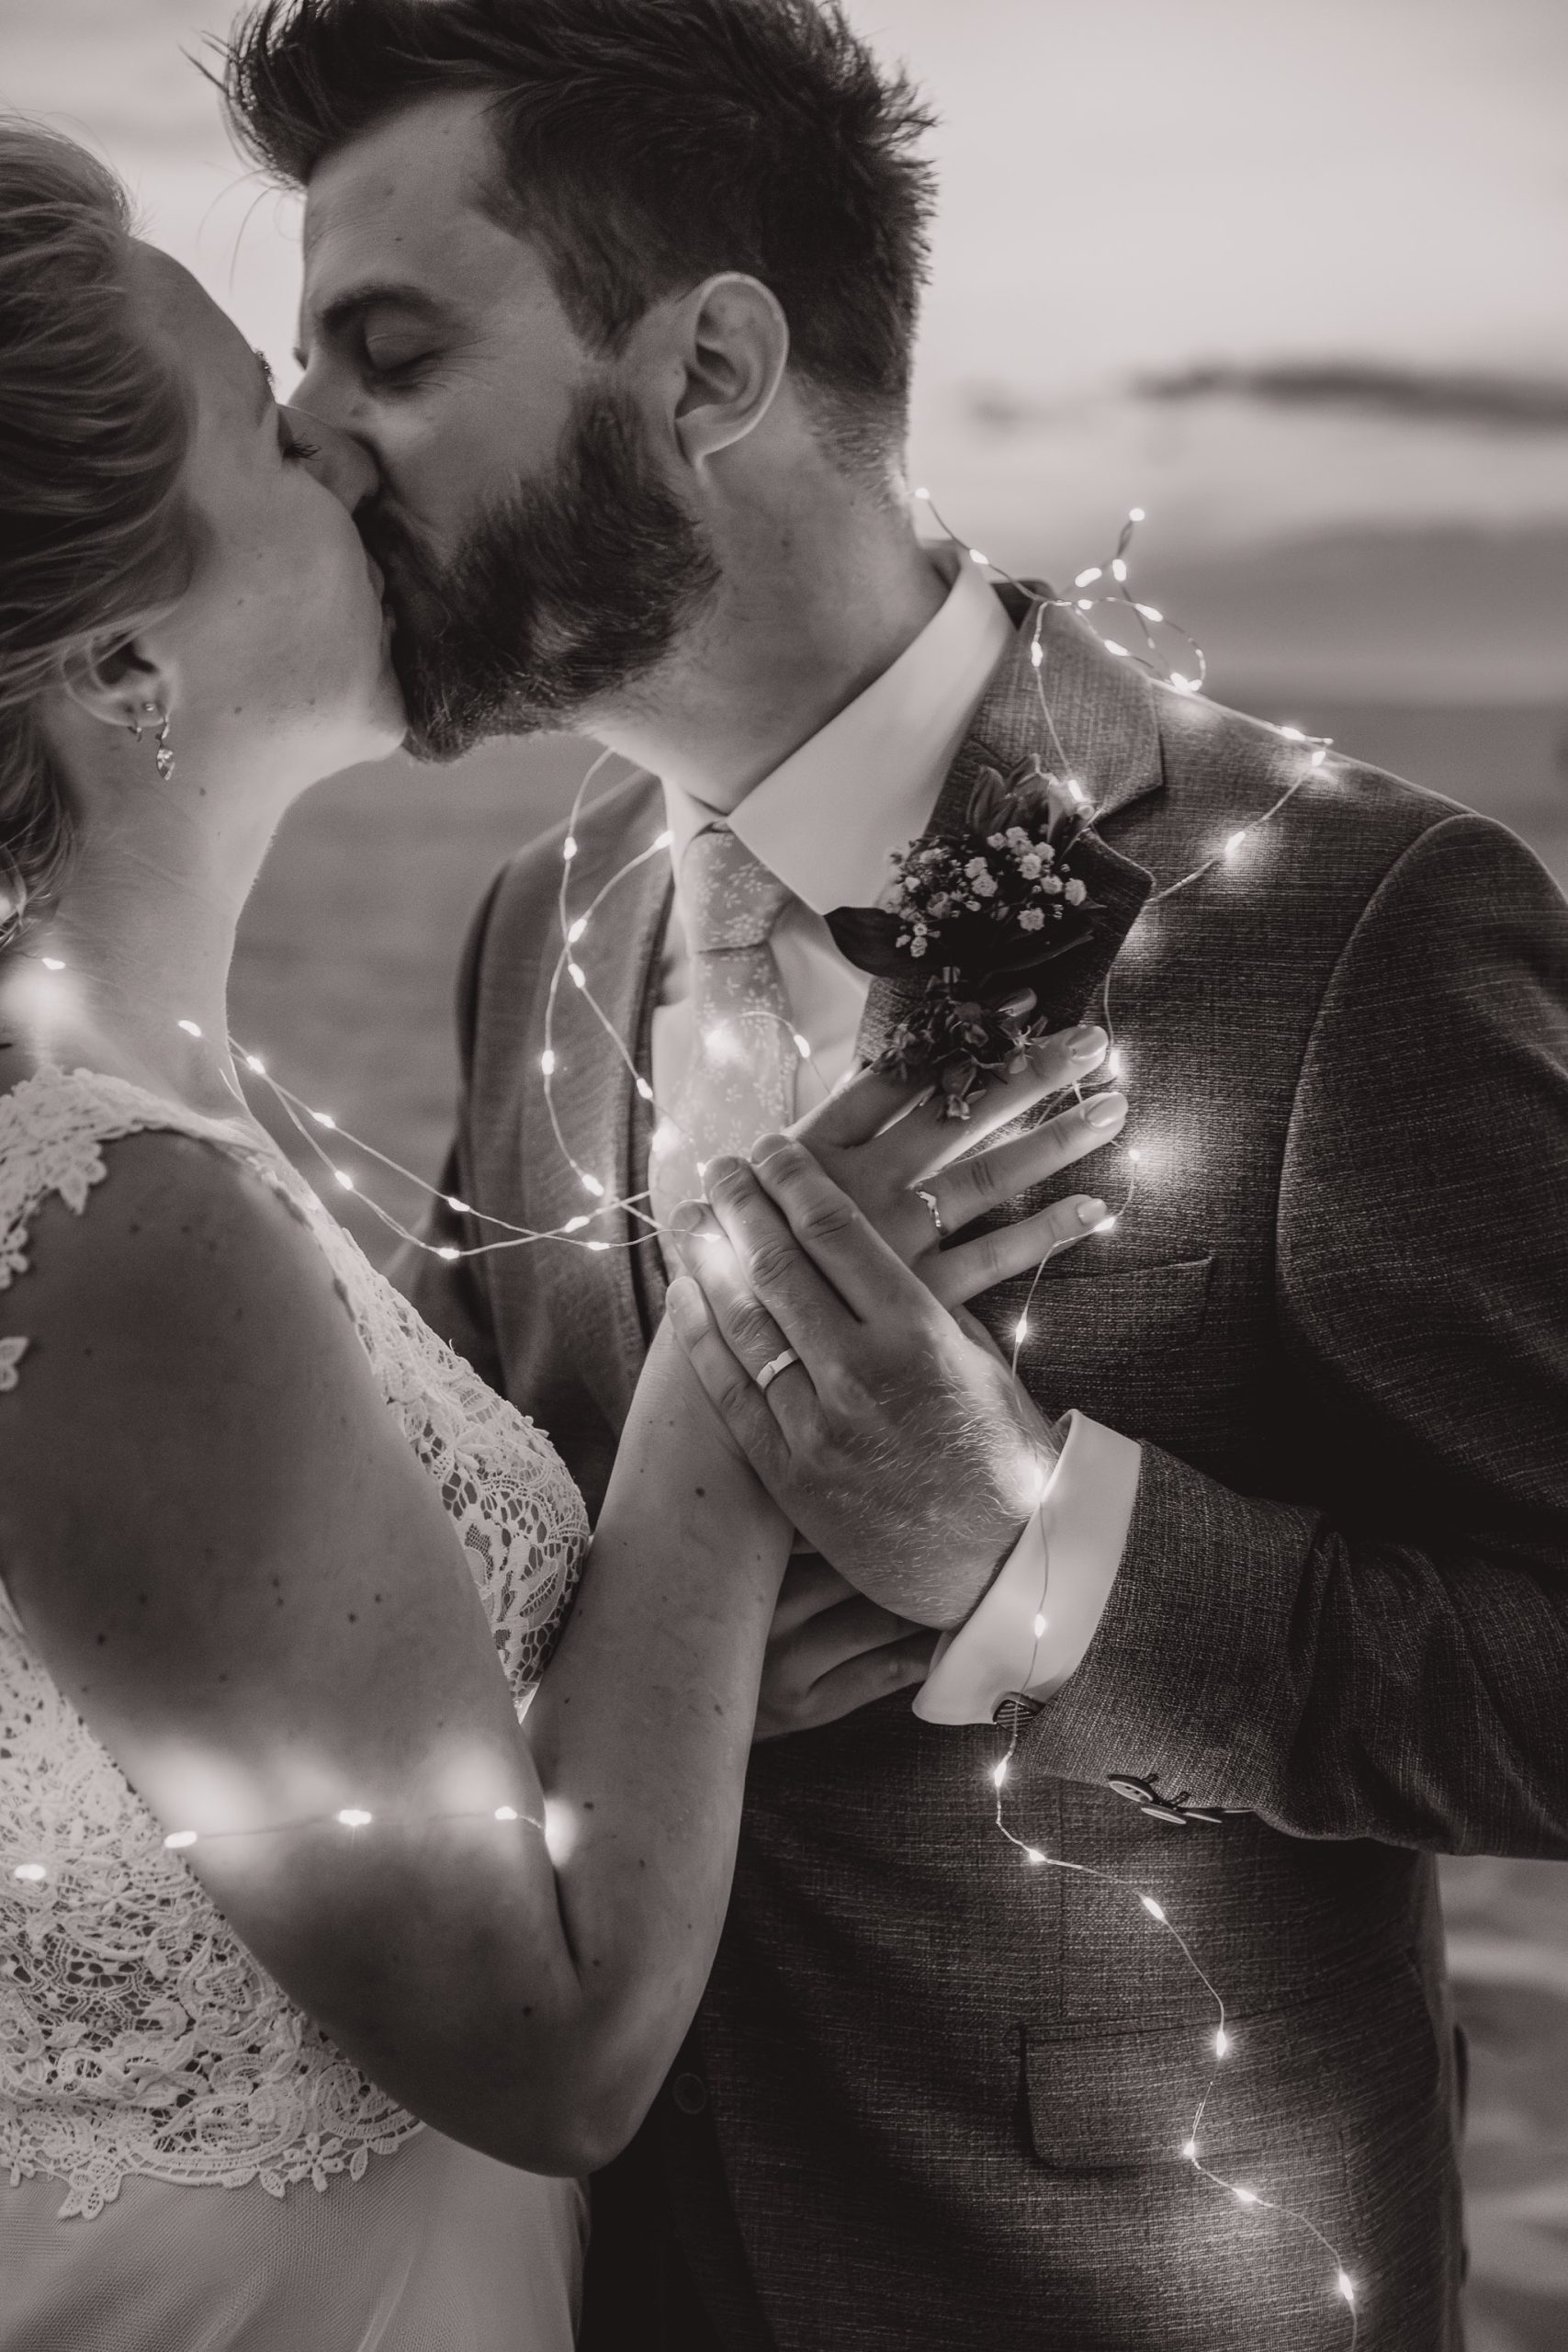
x: 343, y: 463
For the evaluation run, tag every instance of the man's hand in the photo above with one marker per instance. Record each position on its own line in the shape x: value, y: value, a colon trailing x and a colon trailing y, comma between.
x: 831, y: 1651
x: 902, y: 1447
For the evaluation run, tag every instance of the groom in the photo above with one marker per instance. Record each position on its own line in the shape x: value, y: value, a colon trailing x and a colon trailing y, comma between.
x: 620, y: 298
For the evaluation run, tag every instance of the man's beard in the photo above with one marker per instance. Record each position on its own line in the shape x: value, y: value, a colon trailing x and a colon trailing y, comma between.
x: 569, y: 591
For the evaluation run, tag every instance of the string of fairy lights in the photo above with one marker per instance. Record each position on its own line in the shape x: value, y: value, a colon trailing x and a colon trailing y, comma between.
x: 1096, y: 586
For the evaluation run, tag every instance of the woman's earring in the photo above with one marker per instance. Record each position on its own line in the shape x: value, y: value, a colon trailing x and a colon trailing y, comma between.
x: 154, y: 711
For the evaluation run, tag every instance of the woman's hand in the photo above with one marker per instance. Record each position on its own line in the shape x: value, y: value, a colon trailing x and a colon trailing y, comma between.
x: 917, y: 1177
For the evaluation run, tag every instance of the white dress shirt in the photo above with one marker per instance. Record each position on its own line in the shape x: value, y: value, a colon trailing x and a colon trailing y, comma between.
x: 827, y: 822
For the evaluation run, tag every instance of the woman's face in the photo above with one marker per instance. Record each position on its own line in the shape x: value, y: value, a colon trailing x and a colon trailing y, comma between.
x: 279, y: 651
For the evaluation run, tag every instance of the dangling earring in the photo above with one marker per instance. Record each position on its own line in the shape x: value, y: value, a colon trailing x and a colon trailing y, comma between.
x: 164, y: 757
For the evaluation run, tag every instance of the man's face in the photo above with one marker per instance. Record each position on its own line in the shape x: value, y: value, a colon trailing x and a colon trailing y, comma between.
x: 536, y: 560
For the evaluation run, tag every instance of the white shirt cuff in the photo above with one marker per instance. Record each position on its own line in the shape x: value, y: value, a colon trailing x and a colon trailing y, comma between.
x: 1058, y: 1576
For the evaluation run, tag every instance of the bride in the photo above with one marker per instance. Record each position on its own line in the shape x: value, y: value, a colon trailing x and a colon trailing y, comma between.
x: 321, y: 1979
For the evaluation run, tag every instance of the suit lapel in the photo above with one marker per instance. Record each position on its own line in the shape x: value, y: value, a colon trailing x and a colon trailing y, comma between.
x: 604, y: 1121
x: 1107, y: 737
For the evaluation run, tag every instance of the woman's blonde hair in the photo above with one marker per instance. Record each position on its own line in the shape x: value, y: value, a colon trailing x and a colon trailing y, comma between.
x: 94, y: 432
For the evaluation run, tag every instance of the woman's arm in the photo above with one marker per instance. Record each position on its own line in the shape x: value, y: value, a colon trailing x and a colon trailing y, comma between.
x: 240, y: 1574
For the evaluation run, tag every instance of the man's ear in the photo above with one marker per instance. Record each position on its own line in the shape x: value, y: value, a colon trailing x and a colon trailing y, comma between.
x: 734, y: 342
x: 117, y: 680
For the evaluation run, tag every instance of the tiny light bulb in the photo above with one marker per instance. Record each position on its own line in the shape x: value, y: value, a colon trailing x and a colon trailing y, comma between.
x: 578, y: 976
x: 803, y: 1046
x: 1032, y: 1854
x: 459, y: 1208
x: 1111, y: 647
x: 177, y: 1838
x: 30, y: 1873
x: 574, y: 1225
x: 345, y: 1179
x: 1133, y: 1154
x: 1115, y: 1063
x: 1293, y: 734
x: 1137, y: 515
x: 1021, y: 1330
x: 1077, y: 791
x: 1000, y: 1773
x: 1106, y: 1225
x: 568, y: 850
x: 578, y: 928
x: 1345, y: 2285
x: 190, y: 1028
x: 664, y: 841
x: 506, y: 1812
x: 547, y: 1063
x: 1085, y: 604
x: 1087, y: 578
x: 323, y: 1118
x: 1318, y: 758
x: 1221, y: 2043
x: 599, y: 1247
x: 1244, y: 2196
x: 354, y: 1816
x: 925, y: 495
x: 254, y: 1061
x: 644, y: 1089
x: 975, y: 557
x: 1189, y: 2150
x: 592, y: 1185
x: 1233, y: 843
x: 1183, y: 685
x: 447, y: 1252
x: 1151, y: 1906
x: 1037, y: 653
x: 1040, y: 1629
x: 1118, y: 569
x: 54, y: 964
x: 1151, y: 612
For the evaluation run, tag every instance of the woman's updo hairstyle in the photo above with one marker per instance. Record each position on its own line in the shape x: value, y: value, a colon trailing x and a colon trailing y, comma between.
x: 94, y: 432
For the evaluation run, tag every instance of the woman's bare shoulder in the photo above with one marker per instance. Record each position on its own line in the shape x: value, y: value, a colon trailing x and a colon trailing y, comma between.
x: 179, y: 1266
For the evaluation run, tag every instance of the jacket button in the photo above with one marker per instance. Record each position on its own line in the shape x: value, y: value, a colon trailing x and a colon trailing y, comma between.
x: 690, y: 2094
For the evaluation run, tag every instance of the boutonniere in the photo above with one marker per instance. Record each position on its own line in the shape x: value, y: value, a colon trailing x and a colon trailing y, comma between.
x: 975, y: 920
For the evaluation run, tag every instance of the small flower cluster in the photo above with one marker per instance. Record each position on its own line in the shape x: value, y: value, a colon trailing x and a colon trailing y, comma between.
x: 1013, y: 881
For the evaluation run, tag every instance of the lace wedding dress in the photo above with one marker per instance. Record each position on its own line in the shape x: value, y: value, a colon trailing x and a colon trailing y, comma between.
x: 187, y: 2162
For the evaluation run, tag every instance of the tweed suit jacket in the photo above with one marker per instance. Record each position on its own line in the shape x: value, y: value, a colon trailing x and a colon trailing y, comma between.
x: 935, y: 2096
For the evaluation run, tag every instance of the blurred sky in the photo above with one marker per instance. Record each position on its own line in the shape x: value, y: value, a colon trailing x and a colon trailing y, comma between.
x: 1291, y: 274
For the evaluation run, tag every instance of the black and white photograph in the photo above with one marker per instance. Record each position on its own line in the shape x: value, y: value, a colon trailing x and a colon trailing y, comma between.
x: 784, y: 1176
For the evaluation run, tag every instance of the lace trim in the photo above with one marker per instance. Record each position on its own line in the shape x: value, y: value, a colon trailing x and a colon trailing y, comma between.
x: 137, y: 2035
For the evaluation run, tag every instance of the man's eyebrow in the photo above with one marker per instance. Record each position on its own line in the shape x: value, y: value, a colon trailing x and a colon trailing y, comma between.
x: 340, y: 312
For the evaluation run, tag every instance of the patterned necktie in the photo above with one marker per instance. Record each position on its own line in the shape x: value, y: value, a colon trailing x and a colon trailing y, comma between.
x: 740, y: 1083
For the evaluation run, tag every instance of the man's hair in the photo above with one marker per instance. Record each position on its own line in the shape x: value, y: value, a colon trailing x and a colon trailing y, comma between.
x: 648, y: 144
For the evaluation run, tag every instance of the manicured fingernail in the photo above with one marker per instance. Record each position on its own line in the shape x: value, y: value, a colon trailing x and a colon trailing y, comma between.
x: 1090, y: 1212
x: 1105, y: 1111
x: 720, y: 1170
x: 687, y: 1218
x: 768, y: 1147
x: 1087, y: 1045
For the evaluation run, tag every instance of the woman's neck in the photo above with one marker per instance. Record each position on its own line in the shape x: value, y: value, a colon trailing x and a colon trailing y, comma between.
x: 130, y: 973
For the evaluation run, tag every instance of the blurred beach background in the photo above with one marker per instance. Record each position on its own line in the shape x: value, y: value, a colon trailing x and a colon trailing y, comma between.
x: 1292, y: 276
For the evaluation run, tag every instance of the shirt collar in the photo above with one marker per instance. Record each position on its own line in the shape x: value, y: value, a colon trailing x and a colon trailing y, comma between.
x: 827, y: 819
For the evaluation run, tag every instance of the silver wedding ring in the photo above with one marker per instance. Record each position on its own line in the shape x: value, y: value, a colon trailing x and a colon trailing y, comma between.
x: 929, y: 1199
x: 770, y: 1372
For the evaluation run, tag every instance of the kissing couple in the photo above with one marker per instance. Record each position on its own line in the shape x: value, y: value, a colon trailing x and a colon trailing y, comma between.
x: 990, y: 1653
